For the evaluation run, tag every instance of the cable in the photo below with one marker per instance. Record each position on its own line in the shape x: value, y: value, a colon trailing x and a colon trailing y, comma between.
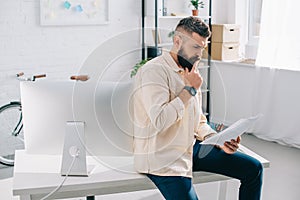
x: 67, y: 174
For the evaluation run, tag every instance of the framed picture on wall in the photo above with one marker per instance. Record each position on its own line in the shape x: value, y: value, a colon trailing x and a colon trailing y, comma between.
x: 74, y: 12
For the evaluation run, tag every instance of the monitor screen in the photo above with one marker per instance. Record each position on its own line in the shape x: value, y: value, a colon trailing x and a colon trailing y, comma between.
x: 104, y: 108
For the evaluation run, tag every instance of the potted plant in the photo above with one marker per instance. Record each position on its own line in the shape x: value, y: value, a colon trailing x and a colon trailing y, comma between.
x: 196, y: 4
x: 138, y: 66
x: 171, y: 34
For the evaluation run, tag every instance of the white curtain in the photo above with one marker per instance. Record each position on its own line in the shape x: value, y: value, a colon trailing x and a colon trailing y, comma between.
x: 240, y: 91
x: 276, y: 85
x: 276, y: 96
x: 279, y: 41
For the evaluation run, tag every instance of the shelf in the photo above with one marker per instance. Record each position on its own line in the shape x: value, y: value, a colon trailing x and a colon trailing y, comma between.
x: 182, y: 16
x: 167, y: 44
x: 203, y: 67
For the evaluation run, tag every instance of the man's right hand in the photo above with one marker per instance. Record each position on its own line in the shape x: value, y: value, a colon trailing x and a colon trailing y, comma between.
x: 193, y: 78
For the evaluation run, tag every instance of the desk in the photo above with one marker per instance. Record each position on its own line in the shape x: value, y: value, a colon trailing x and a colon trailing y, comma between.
x: 37, y: 175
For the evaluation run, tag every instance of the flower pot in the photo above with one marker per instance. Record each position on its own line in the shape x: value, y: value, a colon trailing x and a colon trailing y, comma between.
x: 195, y: 12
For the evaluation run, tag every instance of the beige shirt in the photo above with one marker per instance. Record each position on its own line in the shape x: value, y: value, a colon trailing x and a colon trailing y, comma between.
x: 165, y: 128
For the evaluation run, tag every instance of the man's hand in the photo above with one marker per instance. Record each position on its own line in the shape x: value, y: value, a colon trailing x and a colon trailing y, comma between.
x: 231, y: 146
x: 193, y: 77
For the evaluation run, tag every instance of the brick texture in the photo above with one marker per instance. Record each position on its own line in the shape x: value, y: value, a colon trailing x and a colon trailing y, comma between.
x: 59, y: 51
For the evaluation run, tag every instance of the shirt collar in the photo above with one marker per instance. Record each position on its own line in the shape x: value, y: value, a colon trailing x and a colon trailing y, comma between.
x: 171, y: 62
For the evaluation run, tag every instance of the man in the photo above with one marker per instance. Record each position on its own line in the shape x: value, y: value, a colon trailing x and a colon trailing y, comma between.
x: 169, y: 123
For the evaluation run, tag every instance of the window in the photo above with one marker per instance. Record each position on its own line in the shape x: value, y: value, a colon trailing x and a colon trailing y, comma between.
x: 279, y: 35
x: 254, y: 21
x: 254, y: 18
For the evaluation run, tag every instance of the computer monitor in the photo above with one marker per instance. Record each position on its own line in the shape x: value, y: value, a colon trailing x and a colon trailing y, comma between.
x: 104, y: 108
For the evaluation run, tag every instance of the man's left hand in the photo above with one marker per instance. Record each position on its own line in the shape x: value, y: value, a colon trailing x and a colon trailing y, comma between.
x: 231, y: 146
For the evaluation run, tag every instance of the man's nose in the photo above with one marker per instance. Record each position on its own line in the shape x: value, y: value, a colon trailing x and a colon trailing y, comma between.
x: 199, y: 53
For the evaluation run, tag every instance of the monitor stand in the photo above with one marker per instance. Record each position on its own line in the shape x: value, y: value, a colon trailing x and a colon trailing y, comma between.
x: 74, y: 154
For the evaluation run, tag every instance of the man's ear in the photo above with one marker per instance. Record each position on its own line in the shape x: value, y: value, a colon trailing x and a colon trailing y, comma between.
x: 177, y: 41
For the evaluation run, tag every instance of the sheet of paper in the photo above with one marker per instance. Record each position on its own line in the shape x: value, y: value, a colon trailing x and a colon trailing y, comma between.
x: 232, y: 132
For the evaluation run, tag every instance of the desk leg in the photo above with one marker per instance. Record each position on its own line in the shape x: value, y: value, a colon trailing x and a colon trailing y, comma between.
x: 222, y: 190
x: 90, y: 198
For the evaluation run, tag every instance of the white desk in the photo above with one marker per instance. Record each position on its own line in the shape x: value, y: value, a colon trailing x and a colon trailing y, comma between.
x: 37, y: 175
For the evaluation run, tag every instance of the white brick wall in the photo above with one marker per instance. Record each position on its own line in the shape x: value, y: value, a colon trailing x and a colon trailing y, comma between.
x: 58, y: 51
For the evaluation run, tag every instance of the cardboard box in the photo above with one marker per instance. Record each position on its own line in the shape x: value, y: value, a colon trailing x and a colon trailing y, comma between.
x: 228, y: 51
x: 225, y: 33
x: 205, y: 53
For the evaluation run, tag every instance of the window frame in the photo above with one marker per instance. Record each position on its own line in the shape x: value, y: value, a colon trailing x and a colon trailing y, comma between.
x: 253, y: 39
x: 251, y: 45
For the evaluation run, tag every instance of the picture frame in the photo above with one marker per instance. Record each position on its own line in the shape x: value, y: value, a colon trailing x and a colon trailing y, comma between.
x: 74, y: 12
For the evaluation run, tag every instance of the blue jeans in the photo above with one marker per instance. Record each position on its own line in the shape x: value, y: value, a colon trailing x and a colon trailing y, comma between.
x: 211, y: 159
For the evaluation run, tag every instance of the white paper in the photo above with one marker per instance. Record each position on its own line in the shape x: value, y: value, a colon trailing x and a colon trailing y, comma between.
x: 232, y: 132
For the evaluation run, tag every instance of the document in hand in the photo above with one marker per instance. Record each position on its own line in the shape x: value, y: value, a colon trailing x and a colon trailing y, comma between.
x: 232, y: 132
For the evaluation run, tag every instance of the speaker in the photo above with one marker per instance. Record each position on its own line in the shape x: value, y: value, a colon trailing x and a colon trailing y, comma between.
x: 153, y: 51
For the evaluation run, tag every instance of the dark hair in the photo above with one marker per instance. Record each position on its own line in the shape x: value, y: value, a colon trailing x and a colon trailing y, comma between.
x: 194, y: 24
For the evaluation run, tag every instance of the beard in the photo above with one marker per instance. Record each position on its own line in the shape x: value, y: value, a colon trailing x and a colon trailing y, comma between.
x: 186, y: 62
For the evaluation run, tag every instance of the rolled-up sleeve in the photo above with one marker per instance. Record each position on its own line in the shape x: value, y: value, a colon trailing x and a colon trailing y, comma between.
x: 203, y: 128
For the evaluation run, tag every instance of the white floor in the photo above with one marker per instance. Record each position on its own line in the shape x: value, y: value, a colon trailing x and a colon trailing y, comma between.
x: 281, y: 180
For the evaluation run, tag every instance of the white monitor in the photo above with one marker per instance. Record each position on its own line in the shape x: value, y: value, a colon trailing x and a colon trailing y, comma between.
x: 104, y: 108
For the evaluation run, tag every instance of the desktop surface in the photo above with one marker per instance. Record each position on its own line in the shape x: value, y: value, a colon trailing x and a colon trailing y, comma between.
x: 38, y: 175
